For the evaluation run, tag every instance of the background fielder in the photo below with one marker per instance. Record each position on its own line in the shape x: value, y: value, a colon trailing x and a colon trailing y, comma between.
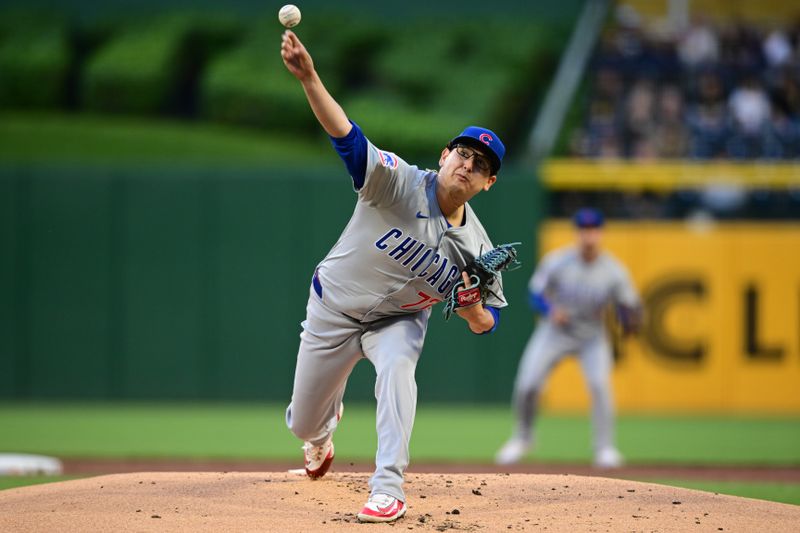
x: 410, y: 237
x: 572, y: 288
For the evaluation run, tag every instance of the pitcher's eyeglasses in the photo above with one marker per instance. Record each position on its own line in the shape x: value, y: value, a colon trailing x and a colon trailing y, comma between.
x: 481, y: 163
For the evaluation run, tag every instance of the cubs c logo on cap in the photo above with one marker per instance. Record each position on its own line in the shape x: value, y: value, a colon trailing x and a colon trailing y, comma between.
x: 485, y: 138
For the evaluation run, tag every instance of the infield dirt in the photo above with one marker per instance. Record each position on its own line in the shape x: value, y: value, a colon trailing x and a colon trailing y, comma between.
x: 253, y: 501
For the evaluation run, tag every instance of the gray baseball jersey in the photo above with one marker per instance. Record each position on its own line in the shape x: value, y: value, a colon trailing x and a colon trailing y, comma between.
x: 397, y: 254
x: 371, y: 297
x: 584, y: 290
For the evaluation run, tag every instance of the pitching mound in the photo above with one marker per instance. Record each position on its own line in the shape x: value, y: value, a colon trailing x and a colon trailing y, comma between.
x: 207, y: 501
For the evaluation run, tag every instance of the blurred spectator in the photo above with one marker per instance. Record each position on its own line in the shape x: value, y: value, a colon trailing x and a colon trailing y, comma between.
x: 639, y: 117
x: 784, y: 139
x: 699, y: 46
x: 785, y: 91
x: 671, y: 137
x: 741, y: 51
x: 750, y: 111
x: 777, y: 48
x: 750, y: 106
x: 708, y: 118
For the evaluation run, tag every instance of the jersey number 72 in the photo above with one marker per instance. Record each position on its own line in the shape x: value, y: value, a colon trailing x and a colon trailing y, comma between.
x: 426, y: 302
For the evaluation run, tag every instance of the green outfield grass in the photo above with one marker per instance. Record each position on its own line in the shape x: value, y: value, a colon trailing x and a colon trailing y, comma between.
x: 441, y: 433
x: 776, y: 492
x: 466, y: 434
x: 35, y: 138
x: 12, y: 482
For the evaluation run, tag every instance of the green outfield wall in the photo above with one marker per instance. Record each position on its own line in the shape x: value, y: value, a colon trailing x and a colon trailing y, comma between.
x: 150, y: 283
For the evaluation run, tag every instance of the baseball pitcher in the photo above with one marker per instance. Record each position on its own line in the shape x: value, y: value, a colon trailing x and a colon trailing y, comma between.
x: 411, y: 237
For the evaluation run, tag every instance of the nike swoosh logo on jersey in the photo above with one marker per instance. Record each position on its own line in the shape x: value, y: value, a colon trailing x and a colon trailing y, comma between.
x: 420, y: 215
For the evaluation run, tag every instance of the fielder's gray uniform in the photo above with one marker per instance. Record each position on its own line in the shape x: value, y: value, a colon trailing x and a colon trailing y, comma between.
x: 371, y: 297
x: 584, y: 290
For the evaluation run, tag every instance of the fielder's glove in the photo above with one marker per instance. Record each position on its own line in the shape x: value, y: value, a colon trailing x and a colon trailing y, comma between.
x: 630, y: 319
x: 482, y: 272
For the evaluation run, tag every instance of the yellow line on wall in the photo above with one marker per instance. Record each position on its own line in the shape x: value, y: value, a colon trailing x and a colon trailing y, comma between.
x: 568, y: 174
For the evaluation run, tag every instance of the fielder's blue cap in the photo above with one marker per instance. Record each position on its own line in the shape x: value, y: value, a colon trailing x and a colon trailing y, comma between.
x: 484, y: 140
x: 588, y: 217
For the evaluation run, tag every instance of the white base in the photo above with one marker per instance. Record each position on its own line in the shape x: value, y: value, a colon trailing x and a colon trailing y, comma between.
x: 18, y: 464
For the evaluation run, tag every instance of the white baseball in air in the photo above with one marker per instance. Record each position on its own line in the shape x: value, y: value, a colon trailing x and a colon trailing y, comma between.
x: 289, y: 15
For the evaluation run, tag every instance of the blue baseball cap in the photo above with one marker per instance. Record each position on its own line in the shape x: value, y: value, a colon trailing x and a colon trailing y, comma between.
x: 482, y: 138
x: 588, y: 218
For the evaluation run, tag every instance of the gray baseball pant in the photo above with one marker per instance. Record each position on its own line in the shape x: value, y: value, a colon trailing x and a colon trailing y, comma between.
x: 547, y: 346
x: 330, y: 346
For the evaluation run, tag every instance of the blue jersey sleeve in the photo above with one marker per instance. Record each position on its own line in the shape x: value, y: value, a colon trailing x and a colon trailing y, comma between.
x: 352, y: 148
x: 538, y: 303
x: 496, y: 314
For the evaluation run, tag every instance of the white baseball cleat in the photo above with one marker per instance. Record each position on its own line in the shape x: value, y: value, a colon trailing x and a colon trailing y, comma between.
x: 382, y: 508
x: 608, y: 457
x: 318, y: 458
x: 512, y: 451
